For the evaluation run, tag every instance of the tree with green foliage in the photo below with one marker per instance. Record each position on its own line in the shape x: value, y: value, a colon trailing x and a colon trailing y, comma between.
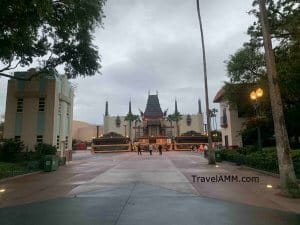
x: 284, y: 19
x: 51, y: 32
x: 130, y: 118
x: 177, y: 117
x: 10, y: 149
x: 136, y: 121
x: 171, y: 119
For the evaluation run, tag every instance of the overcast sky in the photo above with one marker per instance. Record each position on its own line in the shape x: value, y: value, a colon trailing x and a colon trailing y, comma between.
x: 155, y: 45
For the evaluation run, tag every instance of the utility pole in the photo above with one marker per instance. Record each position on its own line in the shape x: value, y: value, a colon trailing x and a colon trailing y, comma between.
x: 288, y: 182
x: 211, y: 153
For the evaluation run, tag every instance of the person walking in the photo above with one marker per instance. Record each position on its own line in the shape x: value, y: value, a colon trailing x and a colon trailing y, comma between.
x: 160, y: 149
x: 150, y: 149
x: 139, y: 149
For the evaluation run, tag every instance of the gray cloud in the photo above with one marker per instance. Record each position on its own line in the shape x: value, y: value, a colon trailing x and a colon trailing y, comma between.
x: 156, y: 45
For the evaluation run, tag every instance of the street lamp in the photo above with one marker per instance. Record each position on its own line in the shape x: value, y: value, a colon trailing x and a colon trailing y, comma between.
x: 254, y: 96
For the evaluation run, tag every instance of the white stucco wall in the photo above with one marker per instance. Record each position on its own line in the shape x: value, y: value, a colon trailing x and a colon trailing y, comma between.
x: 234, y: 126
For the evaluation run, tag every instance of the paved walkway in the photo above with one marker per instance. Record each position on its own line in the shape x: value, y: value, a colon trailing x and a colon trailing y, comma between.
x: 125, y: 188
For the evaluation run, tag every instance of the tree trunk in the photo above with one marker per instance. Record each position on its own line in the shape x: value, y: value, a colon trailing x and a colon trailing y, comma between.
x: 288, y: 180
x: 211, y: 152
x: 129, y: 132
x: 177, y: 128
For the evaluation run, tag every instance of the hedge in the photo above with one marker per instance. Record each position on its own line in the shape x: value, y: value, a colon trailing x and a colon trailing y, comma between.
x: 265, y: 160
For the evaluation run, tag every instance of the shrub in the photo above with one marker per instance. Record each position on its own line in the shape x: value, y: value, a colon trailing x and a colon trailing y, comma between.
x: 10, y: 150
x: 45, y: 149
x: 233, y: 156
x: 265, y: 160
x: 296, y: 161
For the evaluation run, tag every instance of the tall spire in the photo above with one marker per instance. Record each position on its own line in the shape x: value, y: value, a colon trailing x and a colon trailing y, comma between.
x: 106, y: 108
x: 176, y: 109
x: 199, y: 106
x: 129, y: 111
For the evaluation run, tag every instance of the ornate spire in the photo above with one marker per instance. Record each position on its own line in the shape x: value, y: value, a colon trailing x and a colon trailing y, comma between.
x: 199, y: 106
x: 129, y: 111
x: 176, y: 109
x: 106, y: 108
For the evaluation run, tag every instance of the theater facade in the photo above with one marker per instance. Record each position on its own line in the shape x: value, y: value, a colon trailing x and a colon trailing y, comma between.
x: 152, y: 125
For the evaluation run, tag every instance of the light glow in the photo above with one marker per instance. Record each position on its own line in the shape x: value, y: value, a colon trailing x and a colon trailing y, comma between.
x: 253, y: 95
x: 2, y: 190
x: 259, y: 92
x: 269, y: 186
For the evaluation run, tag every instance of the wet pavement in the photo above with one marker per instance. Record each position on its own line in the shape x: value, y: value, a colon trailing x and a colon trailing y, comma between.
x: 123, y: 188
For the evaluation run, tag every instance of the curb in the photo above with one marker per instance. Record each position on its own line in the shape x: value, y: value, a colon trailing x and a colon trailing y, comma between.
x: 18, y: 176
x: 264, y: 172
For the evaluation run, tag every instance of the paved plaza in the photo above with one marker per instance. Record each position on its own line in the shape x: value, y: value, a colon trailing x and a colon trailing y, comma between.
x: 124, y: 188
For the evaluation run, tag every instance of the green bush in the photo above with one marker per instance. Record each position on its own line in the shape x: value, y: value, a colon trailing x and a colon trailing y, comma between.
x: 45, y: 149
x: 10, y: 150
x: 233, y: 156
x: 265, y: 160
x: 296, y: 161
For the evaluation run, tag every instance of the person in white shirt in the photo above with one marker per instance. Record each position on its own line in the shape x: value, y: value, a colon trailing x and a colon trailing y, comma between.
x: 150, y: 149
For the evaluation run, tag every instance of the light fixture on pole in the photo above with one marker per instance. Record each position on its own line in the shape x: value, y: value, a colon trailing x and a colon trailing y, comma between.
x: 254, y: 96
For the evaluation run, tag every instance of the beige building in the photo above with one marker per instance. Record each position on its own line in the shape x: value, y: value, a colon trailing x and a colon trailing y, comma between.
x: 231, y: 123
x: 152, y: 122
x: 83, y: 131
x: 40, y: 110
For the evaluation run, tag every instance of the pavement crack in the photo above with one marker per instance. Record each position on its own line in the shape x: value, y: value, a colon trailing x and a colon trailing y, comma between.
x: 125, y: 204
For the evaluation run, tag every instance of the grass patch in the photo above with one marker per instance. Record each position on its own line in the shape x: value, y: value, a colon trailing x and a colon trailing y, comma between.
x: 15, y: 169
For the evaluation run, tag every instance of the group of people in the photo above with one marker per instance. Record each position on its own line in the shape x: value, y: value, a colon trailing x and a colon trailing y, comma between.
x: 199, y: 148
x: 151, y: 148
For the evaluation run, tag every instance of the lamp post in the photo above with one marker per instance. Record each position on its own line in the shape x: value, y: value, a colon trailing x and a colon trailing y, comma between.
x: 254, y: 96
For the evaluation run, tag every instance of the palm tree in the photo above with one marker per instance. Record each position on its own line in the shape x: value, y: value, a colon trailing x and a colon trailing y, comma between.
x: 171, y: 119
x: 211, y: 153
x: 130, y: 118
x: 137, y: 120
x: 177, y: 117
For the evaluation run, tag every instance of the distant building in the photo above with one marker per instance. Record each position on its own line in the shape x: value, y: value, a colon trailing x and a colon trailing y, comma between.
x: 83, y: 131
x: 40, y: 110
x: 231, y: 122
x: 152, y: 124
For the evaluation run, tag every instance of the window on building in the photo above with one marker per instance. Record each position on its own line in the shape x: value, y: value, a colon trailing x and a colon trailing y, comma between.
x: 20, y: 105
x: 66, y: 144
x: 118, y: 121
x: 41, y: 104
x: 39, y: 139
x: 189, y: 120
x: 68, y: 110
x: 59, y: 107
x: 17, y: 138
x: 57, y: 141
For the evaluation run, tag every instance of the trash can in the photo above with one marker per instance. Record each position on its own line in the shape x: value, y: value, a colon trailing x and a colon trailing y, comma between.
x: 50, y: 163
x: 218, y: 156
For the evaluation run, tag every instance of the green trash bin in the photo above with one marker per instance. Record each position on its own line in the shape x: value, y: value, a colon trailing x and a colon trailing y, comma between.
x: 50, y: 163
x: 218, y: 156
